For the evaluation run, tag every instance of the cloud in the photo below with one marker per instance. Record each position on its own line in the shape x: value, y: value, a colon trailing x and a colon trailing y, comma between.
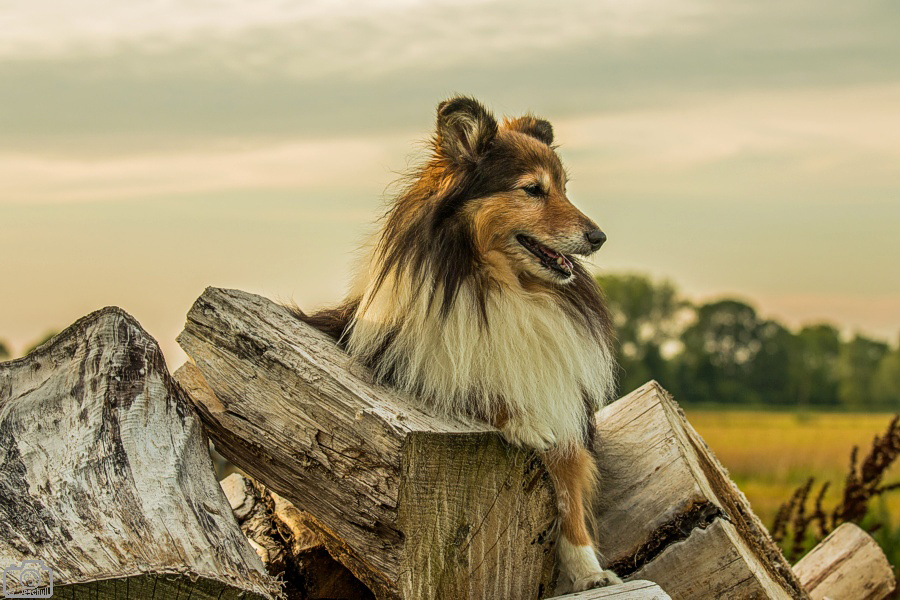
x: 744, y: 146
x: 369, y: 33
x: 146, y: 75
x: 345, y: 164
x: 813, y: 123
x: 788, y: 141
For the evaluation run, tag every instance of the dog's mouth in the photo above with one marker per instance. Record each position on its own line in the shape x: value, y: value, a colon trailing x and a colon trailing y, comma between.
x: 550, y: 259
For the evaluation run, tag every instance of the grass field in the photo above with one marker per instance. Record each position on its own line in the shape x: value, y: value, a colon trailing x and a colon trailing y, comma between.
x: 769, y: 454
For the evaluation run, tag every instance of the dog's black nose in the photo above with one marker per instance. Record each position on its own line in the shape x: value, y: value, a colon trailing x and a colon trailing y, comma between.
x: 595, y: 238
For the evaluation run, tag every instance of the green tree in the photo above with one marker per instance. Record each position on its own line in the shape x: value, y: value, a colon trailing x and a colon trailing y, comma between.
x: 645, y: 315
x: 725, y: 352
x: 815, y: 378
x: 731, y: 355
x: 772, y: 369
x: 858, y: 363
x: 4, y: 351
x: 886, y: 381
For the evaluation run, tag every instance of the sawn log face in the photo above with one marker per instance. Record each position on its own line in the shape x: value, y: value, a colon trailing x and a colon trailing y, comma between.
x: 848, y: 564
x: 105, y: 474
x: 414, y: 504
x: 670, y: 513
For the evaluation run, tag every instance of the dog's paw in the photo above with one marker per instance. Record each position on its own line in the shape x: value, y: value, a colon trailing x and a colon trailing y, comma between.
x: 595, y: 580
x: 531, y: 436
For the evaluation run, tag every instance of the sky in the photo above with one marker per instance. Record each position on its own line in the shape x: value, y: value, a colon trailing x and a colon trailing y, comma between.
x: 152, y: 148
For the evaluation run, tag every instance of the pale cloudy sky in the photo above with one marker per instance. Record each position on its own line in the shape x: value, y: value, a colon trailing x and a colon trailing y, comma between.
x: 153, y: 147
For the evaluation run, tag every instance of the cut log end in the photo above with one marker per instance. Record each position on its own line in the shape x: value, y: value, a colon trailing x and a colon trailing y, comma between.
x: 415, y: 505
x: 105, y: 474
x: 670, y: 513
x: 848, y: 564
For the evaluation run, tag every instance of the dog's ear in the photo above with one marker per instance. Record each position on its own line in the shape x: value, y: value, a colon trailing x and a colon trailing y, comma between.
x: 533, y: 126
x: 465, y: 129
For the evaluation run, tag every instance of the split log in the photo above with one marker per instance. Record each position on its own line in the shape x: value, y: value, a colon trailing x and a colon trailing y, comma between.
x: 670, y: 513
x: 415, y: 505
x: 848, y: 564
x: 630, y: 590
x: 320, y: 575
x: 106, y: 477
x: 289, y: 550
x: 289, y: 521
x: 253, y: 511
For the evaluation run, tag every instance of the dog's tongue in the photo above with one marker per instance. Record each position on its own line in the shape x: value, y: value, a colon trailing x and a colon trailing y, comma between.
x: 560, y: 259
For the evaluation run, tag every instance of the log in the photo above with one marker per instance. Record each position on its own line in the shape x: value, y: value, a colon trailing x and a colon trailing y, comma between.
x: 289, y: 521
x: 254, y: 513
x: 669, y: 512
x: 322, y: 577
x: 289, y: 550
x: 630, y: 590
x: 105, y: 474
x: 848, y: 564
x: 415, y: 505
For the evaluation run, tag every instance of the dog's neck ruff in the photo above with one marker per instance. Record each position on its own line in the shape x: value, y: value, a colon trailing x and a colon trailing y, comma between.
x: 532, y: 360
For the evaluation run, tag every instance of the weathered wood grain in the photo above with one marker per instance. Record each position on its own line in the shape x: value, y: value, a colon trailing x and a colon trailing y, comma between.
x: 288, y: 549
x: 669, y: 512
x: 253, y: 510
x: 415, y: 505
x: 105, y: 473
x: 289, y: 522
x: 477, y: 516
x: 630, y: 590
x: 848, y: 564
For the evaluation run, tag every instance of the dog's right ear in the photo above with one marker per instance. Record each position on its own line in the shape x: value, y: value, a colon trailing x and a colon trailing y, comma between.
x: 465, y: 130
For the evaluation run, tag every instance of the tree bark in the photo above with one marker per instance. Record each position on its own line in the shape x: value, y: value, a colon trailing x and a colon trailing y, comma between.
x: 105, y: 473
x: 848, y: 564
x: 669, y: 512
x: 415, y: 505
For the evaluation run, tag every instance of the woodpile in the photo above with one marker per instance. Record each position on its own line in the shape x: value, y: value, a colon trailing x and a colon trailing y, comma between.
x: 672, y: 515
x: 105, y: 473
x: 439, y: 507
x: 351, y: 490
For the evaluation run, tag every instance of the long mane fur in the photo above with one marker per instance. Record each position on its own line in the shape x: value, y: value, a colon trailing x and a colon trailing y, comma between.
x: 428, y: 317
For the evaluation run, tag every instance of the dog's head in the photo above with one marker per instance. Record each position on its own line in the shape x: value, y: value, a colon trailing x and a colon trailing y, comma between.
x: 506, y: 183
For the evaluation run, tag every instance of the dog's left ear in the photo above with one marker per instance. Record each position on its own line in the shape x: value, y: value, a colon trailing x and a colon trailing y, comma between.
x: 533, y: 126
x: 465, y: 129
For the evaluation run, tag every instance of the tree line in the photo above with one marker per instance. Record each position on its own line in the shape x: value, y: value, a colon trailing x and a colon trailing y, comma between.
x: 724, y: 352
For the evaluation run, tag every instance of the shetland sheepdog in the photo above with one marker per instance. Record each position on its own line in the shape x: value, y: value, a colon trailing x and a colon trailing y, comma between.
x: 472, y: 298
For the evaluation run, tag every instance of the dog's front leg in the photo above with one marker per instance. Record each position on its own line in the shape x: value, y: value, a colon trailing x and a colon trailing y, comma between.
x: 574, y: 476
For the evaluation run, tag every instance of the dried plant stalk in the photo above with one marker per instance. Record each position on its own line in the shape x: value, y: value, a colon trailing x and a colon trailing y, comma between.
x: 793, y: 526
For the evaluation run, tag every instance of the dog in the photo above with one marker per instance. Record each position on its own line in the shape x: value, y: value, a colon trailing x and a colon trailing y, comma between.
x: 472, y: 298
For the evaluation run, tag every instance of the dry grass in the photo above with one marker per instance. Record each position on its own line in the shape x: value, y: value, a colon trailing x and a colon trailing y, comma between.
x: 769, y: 454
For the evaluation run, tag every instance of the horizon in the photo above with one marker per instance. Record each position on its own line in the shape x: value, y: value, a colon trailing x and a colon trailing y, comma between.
x: 846, y: 334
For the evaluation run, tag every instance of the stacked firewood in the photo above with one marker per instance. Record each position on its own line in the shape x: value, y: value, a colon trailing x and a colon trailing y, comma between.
x: 350, y: 490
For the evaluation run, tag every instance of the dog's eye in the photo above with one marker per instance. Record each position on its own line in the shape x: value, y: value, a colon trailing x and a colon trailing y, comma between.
x: 534, y: 190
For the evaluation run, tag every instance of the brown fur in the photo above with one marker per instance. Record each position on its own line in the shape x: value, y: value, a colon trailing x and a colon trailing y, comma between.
x: 456, y: 228
x: 574, y: 475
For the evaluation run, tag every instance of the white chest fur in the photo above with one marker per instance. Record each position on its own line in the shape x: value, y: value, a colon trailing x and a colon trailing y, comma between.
x: 533, y: 361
